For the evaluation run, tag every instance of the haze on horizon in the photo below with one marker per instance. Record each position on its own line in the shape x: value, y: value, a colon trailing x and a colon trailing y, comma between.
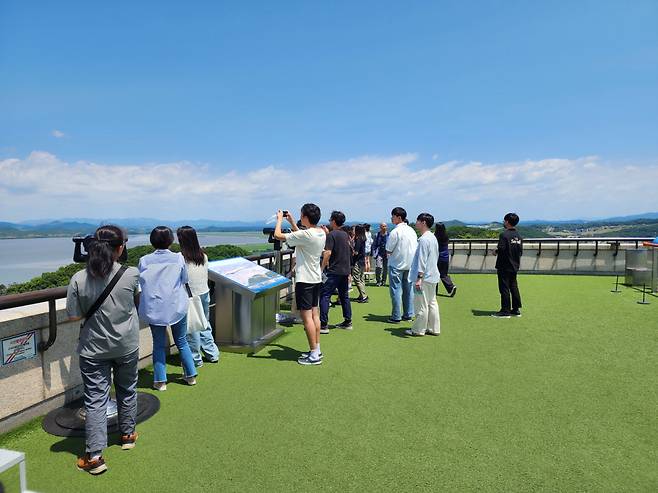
x: 229, y: 111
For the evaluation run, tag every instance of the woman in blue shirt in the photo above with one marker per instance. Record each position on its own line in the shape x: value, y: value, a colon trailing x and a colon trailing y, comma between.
x: 164, y: 301
x: 444, y: 259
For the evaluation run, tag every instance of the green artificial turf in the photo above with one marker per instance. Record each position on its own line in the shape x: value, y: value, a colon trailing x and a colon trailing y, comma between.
x: 563, y: 399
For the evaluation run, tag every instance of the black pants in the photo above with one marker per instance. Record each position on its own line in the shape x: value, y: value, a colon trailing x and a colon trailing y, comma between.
x: 444, y: 265
x: 508, y: 288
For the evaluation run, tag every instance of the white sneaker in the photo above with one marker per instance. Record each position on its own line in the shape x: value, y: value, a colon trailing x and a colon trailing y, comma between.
x: 160, y: 386
x: 190, y: 380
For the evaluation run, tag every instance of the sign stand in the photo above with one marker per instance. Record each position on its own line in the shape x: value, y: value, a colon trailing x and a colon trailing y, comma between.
x: 644, y: 296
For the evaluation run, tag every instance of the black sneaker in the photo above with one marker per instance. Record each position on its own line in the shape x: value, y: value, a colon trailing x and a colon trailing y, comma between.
x: 309, y: 361
x: 501, y: 315
x: 407, y: 319
x: 393, y: 321
x: 362, y: 300
x: 324, y: 329
x: 453, y: 292
x: 516, y: 313
x: 345, y: 324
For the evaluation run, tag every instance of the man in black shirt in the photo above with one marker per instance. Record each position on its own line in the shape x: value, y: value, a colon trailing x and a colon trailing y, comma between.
x: 509, y: 251
x: 337, y: 264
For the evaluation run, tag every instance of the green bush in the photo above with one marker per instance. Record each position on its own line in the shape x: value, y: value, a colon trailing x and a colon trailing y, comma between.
x: 62, y: 276
x: 466, y: 232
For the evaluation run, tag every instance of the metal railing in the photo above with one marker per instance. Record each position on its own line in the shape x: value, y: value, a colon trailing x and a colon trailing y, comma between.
x: 529, y: 242
x: 51, y: 296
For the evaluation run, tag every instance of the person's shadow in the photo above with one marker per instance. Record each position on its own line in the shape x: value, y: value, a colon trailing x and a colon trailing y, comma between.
x: 398, y: 332
x: 482, y: 313
x: 279, y: 353
x: 371, y: 317
x: 145, y: 379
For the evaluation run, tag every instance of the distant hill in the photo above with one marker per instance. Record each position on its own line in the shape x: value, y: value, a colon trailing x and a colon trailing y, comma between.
x: 644, y: 226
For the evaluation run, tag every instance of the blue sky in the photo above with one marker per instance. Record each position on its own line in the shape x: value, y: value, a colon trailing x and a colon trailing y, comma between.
x: 199, y: 100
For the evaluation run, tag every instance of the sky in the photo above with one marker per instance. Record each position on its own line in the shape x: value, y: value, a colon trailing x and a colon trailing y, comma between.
x: 231, y: 110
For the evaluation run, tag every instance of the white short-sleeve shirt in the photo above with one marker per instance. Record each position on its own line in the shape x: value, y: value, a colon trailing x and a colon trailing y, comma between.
x: 309, y: 245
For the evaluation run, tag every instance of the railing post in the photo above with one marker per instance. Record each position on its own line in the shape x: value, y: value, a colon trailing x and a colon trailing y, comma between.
x: 577, y: 248
x: 52, y: 326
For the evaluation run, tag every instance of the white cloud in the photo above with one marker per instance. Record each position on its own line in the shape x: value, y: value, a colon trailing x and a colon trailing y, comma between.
x: 58, y: 134
x: 366, y: 187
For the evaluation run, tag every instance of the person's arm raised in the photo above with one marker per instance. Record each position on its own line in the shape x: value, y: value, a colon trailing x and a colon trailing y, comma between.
x: 277, y: 229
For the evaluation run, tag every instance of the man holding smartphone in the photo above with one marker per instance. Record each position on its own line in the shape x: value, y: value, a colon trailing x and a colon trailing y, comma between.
x: 309, y: 245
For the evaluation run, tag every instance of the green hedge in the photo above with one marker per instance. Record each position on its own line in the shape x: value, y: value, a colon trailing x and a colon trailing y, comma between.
x: 62, y: 276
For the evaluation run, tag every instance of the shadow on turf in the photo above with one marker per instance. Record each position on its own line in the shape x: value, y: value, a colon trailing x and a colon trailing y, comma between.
x: 371, y: 317
x: 398, y: 333
x: 76, y: 445
x: 283, y: 353
x: 483, y: 313
x: 145, y: 379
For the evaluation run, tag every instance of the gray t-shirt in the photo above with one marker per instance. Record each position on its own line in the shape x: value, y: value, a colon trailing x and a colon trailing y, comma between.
x: 113, y: 331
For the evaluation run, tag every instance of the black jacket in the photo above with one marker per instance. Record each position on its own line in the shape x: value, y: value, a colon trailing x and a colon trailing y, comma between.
x: 510, y: 249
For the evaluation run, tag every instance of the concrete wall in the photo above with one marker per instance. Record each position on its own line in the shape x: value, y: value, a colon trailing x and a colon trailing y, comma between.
x: 33, y: 387
x: 586, y: 262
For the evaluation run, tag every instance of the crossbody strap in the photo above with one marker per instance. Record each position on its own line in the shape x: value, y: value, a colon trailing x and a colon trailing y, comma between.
x: 106, y: 292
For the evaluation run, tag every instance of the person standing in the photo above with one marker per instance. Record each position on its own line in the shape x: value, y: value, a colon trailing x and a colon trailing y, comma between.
x: 425, y: 274
x: 196, y: 262
x: 379, y: 254
x: 309, y: 244
x: 369, y: 241
x: 336, y: 262
x: 444, y: 259
x: 400, y: 248
x: 164, y: 301
x: 359, y: 262
x: 108, y: 346
x: 508, y: 261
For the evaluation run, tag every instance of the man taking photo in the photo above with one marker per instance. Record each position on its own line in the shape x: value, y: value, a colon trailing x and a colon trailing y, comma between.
x: 309, y: 245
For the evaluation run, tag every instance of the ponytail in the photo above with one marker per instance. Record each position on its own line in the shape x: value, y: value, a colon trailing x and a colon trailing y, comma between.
x: 102, y: 251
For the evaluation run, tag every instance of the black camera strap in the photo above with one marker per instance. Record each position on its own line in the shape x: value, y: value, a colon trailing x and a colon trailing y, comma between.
x: 106, y: 292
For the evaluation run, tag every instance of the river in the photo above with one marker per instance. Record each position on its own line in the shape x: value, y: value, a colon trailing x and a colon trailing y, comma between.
x: 25, y: 258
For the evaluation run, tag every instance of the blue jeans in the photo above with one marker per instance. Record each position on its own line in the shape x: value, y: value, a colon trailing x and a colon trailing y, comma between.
x: 178, y: 331
x: 203, y: 340
x: 401, y: 290
x: 334, y: 282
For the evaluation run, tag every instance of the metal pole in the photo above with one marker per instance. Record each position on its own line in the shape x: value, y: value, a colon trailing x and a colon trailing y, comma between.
x: 616, y: 290
x: 644, y: 296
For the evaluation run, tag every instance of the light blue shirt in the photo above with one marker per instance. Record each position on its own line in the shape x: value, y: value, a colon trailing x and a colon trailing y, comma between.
x: 426, y: 259
x: 162, y: 277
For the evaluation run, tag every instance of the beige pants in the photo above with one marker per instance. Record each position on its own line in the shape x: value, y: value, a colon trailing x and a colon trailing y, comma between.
x: 427, y: 310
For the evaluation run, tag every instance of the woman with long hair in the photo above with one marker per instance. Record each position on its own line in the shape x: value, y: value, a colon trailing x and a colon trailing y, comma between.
x: 197, y: 272
x: 359, y: 262
x: 108, y: 346
x: 164, y: 301
x: 444, y: 259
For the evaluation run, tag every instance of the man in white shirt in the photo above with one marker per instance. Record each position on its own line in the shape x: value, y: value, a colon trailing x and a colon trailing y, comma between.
x: 309, y: 243
x: 400, y: 248
x: 424, y: 273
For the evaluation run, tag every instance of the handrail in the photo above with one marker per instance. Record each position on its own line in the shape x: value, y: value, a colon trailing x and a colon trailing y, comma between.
x: 51, y: 295
x: 610, y: 240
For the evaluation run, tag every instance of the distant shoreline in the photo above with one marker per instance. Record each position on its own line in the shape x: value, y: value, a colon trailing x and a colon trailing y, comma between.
x: 130, y: 233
